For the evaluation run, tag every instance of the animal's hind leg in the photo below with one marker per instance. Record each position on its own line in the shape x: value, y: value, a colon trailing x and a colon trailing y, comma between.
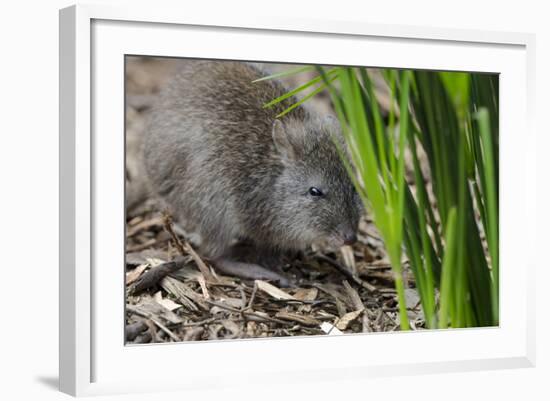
x: 249, y: 271
x: 240, y: 259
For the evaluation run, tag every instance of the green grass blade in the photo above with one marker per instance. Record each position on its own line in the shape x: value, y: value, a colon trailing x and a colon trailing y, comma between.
x: 297, y: 90
x: 491, y: 202
x: 304, y: 99
x: 287, y: 73
x: 447, y: 270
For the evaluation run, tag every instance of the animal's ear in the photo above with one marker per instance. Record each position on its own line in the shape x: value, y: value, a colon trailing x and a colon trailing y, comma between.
x: 331, y: 123
x: 282, y: 140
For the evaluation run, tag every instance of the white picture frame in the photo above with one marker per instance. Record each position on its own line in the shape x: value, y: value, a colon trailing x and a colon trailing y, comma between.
x: 93, y: 41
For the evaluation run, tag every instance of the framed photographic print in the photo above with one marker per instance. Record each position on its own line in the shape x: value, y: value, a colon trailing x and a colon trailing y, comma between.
x: 295, y: 198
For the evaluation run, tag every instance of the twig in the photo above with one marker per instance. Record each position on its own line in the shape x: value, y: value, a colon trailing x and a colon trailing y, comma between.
x: 133, y: 230
x: 202, y: 284
x: 152, y: 330
x: 202, y: 266
x: 141, y: 247
x: 185, y: 248
x: 169, y: 227
x: 200, y: 322
x: 151, y: 317
x: 252, y: 297
x: 156, y: 274
x: 346, y: 272
x: 185, y: 295
x: 365, y: 321
x: 340, y: 308
x: 223, y: 306
x: 246, y: 312
x: 243, y: 297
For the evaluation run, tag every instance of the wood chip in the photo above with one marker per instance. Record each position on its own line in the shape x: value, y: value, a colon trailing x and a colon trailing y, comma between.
x: 154, y: 262
x: 189, y: 298
x: 138, y: 258
x: 354, y: 297
x: 339, y: 299
x: 134, y: 274
x: 330, y: 329
x: 193, y: 334
x: 306, y: 294
x: 294, y: 317
x: 275, y: 292
x: 232, y: 327
x: 412, y: 300
x: 348, y: 258
x: 199, y: 277
x: 151, y: 309
x: 233, y: 302
x: 348, y: 318
x: 166, y: 302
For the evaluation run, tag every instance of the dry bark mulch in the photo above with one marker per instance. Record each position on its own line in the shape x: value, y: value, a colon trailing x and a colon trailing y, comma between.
x: 175, y: 295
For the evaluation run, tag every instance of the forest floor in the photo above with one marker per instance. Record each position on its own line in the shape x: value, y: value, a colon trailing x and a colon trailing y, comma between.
x: 175, y: 295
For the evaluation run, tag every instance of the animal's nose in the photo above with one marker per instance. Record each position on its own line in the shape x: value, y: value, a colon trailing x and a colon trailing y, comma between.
x: 350, y: 238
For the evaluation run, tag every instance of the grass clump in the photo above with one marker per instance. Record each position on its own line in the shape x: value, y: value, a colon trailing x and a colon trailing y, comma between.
x: 444, y: 222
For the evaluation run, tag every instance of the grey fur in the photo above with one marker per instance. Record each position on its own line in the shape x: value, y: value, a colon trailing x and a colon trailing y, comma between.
x: 229, y: 172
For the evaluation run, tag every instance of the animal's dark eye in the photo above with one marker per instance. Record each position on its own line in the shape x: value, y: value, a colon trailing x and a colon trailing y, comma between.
x: 315, y: 192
